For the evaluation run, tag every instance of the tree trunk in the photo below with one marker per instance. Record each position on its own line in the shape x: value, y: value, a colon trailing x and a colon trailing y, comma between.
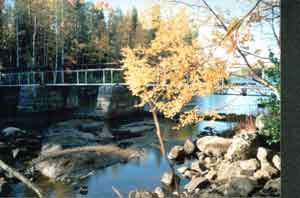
x: 17, y: 42
x: 33, y: 42
x: 56, y: 42
x: 62, y: 35
x: 158, y: 133
x: 21, y: 177
x: 162, y: 145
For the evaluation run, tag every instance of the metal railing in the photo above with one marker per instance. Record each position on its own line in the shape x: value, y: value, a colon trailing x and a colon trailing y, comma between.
x: 80, y: 77
x: 96, y: 77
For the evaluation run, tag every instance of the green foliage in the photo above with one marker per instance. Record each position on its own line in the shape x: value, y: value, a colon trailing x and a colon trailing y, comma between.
x: 273, y: 74
x: 271, y: 129
x: 66, y: 33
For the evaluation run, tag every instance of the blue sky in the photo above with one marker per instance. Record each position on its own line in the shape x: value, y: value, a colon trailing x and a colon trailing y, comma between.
x: 233, y: 7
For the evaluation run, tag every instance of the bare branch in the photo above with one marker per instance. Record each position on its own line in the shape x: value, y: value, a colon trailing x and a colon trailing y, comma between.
x: 20, y: 177
x: 252, y: 54
x: 255, y: 75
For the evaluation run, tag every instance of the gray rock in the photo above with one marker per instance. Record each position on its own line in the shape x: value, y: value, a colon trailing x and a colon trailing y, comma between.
x: 195, y: 165
x: 276, y: 161
x: 69, y: 137
x: 267, y: 170
x: 138, y: 127
x: 176, y: 153
x: 207, y: 194
x: 196, y: 182
x: 160, y: 193
x: 48, y: 148
x: 227, y: 170
x: 189, y: 146
x: 201, y: 156
x: 5, y: 187
x: 273, y: 185
x: 262, y: 153
x: 244, y: 146
x: 239, y: 187
x: 91, y: 127
x: 210, y: 162
x: 142, y: 194
x: 250, y: 165
x: 191, y: 173
x: 12, y: 131
x: 211, y: 175
x: 182, y: 169
x: 213, y: 145
x: 169, y: 179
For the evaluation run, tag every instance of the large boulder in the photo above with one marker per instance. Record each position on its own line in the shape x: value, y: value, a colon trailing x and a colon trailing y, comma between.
x: 91, y: 126
x: 273, y: 184
x: 189, y: 146
x: 69, y: 137
x: 250, y: 165
x: 196, y: 182
x: 169, y: 179
x: 239, y: 187
x: 176, y: 153
x: 182, y: 169
x: 142, y: 194
x: 211, y: 175
x: 159, y: 191
x: 276, y: 161
x: 195, y: 165
x: 213, y: 145
x: 12, y: 131
x: 227, y: 170
x: 244, y: 146
x: 138, y: 127
x: 267, y: 170
x: 50, y: 148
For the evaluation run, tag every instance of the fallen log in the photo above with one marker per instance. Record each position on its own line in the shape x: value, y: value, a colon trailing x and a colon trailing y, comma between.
x: 20, y: 177
x: 100, y: 149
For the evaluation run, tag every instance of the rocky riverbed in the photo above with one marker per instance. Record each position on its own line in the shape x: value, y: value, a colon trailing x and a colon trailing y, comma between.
x: 221, y: 167
x: 70, y: 152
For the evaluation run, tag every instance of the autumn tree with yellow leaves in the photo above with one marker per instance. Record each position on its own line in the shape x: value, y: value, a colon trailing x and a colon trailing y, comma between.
x: 173, y: 69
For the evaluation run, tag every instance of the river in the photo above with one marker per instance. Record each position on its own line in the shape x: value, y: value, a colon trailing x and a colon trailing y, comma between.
x: 145, y: 172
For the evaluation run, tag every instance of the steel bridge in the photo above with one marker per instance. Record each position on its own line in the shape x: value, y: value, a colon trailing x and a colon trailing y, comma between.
x: 77, y: 77
x: 99, y: 77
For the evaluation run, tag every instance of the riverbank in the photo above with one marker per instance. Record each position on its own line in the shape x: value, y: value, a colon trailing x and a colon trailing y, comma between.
x: 132, y: 155
x: 220, y: 167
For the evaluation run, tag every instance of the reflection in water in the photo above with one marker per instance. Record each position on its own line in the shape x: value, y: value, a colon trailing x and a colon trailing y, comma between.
x: 227, y: 104
x: 145, y: 172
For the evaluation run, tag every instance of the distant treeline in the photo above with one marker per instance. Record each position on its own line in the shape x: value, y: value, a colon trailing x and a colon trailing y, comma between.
x: 55, y: 33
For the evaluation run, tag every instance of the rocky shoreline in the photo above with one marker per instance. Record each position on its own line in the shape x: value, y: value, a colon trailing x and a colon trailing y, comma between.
x: 221, y: 167
x: 95, y: 147
x: 233, y: 166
